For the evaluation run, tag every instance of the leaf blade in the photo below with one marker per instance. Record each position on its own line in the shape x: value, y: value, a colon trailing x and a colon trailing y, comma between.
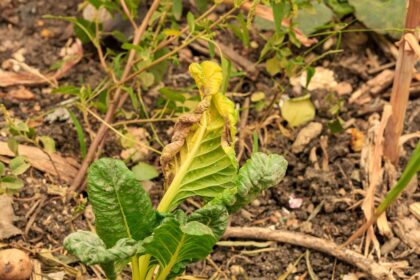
x: 118, y: 201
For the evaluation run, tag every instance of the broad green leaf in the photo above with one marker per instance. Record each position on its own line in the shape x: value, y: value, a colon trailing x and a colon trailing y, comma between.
x: 384, y: 16
x: 297, y: 111
x: 176, y: 242
x: 143, y: 171
x: 122, y: 207
x: 310, y: 18
x: 259, y: 173
x: 201, y: 158
x: 90, y: 249
x: 18, y: 165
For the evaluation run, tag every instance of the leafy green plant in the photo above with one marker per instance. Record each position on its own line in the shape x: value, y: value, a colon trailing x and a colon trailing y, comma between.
x: 200, y: 161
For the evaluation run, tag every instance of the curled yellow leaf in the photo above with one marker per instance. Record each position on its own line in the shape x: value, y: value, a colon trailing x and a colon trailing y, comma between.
x: 208, y: 77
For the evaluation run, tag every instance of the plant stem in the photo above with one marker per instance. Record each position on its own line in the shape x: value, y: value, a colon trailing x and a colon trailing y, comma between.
x: 135, y: 268
x: 401, y: 86
x: 114, y: 103
x: 144, y: 264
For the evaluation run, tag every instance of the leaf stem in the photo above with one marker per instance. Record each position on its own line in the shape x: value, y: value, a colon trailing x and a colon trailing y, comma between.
x: 135, y: 268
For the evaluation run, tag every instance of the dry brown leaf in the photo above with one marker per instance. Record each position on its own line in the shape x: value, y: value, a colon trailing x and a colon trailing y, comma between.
x: 7, y: 217
x: 21, y: 93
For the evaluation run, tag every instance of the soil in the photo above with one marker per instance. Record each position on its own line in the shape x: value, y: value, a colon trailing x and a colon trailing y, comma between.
x: 45, y: 217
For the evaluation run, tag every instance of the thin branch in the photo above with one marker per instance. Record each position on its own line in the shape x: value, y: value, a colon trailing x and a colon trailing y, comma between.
x: 328, y: 247
x: 113, y: 104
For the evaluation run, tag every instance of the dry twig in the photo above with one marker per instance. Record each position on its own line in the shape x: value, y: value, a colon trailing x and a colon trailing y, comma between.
x: 373, y: 268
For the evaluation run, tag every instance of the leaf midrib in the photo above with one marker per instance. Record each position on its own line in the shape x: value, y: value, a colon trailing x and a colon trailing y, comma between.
x: 174, y: 187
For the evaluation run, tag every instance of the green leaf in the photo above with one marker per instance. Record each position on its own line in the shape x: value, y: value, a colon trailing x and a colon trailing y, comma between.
x: 310, y: 72
x: 297, y: 111
x: 280, y: 10
x: 143, y: 171
x: 202, y: 5
x: 80, y: 133
x: 191, y: 22
x: 72, y: 90
x: 213, y: 216
x: 273, y: 65
x: 47, y: 143
x: 13, y: 145
x: 85, y: 30
x: 10, y: 183
x: 18, y: 165
x: 90, y: 249
x: 310, y: 18
x: 146, y: 79
x: 2, y: 169
x: 336, y: 125
x: 259, y: 173
x: 340, y: 7
x: 201, y: 159
x: 172, y: 95
x: 385, y: 16
x: 177, y: 9
x: 176, y: 242
x: 122, y: 207
x: 226, y: 69
x: 410, y: 170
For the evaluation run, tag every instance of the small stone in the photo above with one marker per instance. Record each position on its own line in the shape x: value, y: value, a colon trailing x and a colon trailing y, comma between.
x: 256, y: 203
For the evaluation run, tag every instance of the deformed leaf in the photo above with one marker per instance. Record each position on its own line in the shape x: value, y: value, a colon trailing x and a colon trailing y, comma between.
x: 259, y: 173
x: 201, y: 158
x: 297, y: 111
x: 122, y: 207
x: 90, y: 249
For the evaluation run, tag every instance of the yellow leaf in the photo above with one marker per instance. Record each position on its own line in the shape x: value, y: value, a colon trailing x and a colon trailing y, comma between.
x: 208, y: 77
x: 297, y: 111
